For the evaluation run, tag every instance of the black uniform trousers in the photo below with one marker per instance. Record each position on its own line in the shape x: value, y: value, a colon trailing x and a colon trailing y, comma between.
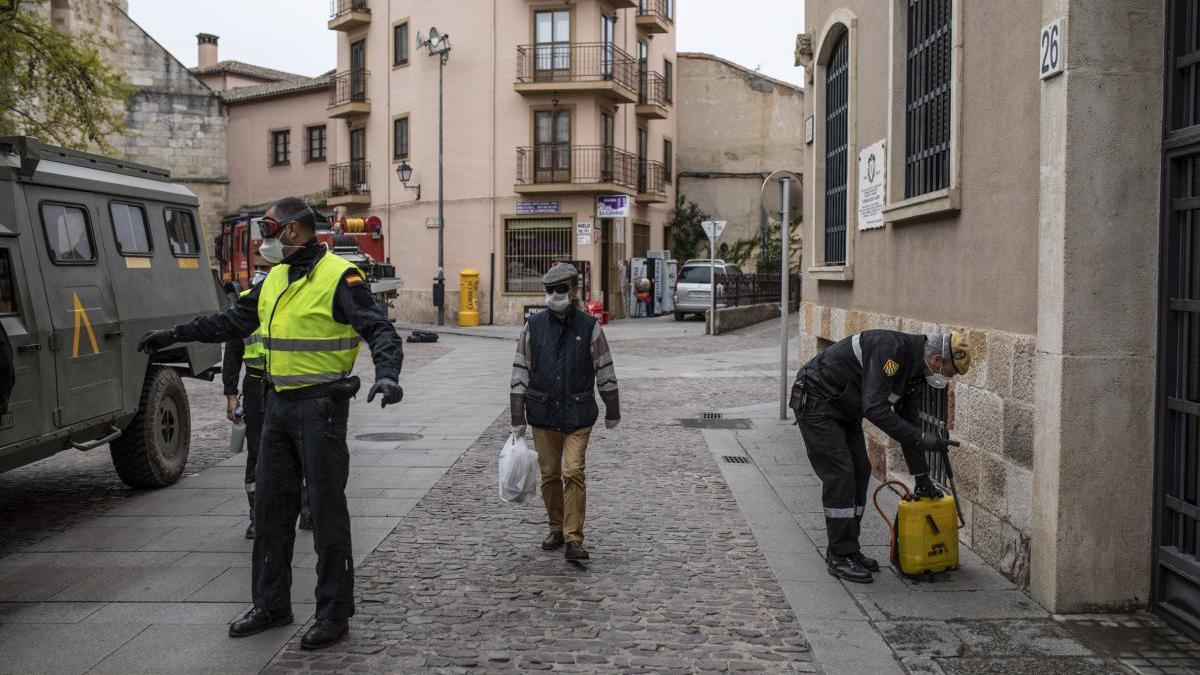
x: 303, y: 438
x: 838, y: 453
x: 252, y: 409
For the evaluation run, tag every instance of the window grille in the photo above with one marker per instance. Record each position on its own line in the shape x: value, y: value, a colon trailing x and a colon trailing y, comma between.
x: 927, y: 98
x: 837, y: 105
x: 934, y: 416
x: 531, y: 246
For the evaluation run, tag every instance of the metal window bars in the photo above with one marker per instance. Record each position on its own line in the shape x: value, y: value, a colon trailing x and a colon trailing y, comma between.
x: 927, y: 97
x: 934, y: 417
x: 837, y: 105
x: 350, y: 178
x: 531, y: 247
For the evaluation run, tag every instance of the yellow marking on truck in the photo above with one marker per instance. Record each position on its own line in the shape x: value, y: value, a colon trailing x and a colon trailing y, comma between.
x: 137, y: 263
x: 81, y: 318
x: 189, y: 264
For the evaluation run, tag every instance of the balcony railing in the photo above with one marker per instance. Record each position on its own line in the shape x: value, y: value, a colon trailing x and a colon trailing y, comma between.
x: 349, y: 178
x: 349, y: 86
x: 651, y: 178
x: 566, y: 62
x: 340, y: 7
x: 563, y: 163
x: 652, y: 90
x: 656, y: 16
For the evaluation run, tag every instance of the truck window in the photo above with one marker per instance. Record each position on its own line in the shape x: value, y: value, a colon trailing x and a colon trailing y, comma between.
x: 8, y: 290
x: 129, y: 224
x: 181, y: 230
x: 68, y: 234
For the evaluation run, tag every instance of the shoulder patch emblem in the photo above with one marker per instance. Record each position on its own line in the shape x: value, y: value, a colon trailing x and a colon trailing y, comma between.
x: 353, y: 278
x: 890, y: 368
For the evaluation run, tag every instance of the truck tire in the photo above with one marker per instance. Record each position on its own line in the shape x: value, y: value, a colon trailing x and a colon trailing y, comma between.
x: 153, y: 450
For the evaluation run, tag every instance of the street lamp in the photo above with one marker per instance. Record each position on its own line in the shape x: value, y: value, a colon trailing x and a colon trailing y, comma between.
x: 785, y: 231
x: 404, y: 173
x: 438, y: 44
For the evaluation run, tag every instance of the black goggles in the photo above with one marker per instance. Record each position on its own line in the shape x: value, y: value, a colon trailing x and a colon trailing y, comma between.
x: 564, y: 287
x: 267, y: 227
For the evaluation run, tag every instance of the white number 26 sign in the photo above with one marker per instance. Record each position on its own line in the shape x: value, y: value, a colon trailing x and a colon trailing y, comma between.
x: 1051, y: 50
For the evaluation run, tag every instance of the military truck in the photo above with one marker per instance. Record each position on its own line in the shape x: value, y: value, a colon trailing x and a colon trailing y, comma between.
x: 94, y: 252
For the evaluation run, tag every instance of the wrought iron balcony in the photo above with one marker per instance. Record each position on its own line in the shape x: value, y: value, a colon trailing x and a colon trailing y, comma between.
x: 348, y: 15
x: 599, y: 68
x: 566, y: 168
x: 653, y: 98
x: 651, y: 182
x: 348, y: 183
x: 656, y: 16
x: 348, y: 95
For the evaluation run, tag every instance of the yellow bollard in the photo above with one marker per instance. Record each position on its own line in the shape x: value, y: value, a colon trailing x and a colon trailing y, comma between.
x: 468, y: 302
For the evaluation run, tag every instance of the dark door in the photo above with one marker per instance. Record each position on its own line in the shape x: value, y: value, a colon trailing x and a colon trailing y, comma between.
x: 643, y: 65
x: 1177, y: 473
x: 607, y: 140
x: 608, y: 32
x: 85, y: 343
x: 358, y: 70
x: 553, y: 141
x: 358, y: 158
x: 643, y: 143
x: 552, y: 35
x: 22, y: 316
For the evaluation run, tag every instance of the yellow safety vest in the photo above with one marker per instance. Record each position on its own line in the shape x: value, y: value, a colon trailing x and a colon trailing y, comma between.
x: 255, y: 355
x: 303, y: 343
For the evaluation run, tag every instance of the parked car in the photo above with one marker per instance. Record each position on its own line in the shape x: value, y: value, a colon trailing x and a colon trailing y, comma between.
x: 693, y: 286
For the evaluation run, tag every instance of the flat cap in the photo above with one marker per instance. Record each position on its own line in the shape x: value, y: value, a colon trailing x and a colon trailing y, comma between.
x: 560, y: 273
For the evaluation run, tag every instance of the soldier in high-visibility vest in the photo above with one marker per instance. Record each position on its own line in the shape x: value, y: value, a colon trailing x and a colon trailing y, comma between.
x: 311, y: 311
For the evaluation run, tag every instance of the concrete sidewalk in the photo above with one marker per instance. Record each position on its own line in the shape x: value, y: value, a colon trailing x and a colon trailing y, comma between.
x: 662, y: 327
x: 149, y: 586
x: 971, y: 621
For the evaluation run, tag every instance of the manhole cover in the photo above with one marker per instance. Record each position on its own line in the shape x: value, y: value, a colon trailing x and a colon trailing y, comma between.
x: 736, y: 459
x: 731, y: 423
x: 389, y: 437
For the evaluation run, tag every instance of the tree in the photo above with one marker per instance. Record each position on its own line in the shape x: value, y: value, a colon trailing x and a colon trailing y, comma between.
x: 687, y: 236
x: 55, y: 85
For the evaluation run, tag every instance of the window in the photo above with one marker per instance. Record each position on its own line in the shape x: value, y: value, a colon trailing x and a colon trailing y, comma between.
x: 643, y: 65
x: 552, y: 35
x: 8, y: 289
x: 129, y: 224
x: 669, y: 80
x: 531, y: 246
x: 281, y: 147
x: 68, y: 235
x: 400, y: 44
x: 837, y: 105
x: 927, y: 98
x: 641, y: 240
x: 668, y: 160
x: 608, y: 32
x: 934, y: 416
x: 696, y: 274
x: 607, y: 136
x: 552, y: 130
x: 181, y: 231
x: 642, y: 142
x: 315, y: 143
x: 400, y: 137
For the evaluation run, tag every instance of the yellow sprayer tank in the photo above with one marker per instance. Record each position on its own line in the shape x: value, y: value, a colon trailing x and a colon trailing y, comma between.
x: 926, y: 535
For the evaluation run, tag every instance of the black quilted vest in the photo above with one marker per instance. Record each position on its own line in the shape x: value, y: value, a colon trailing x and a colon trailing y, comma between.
x: 562, y: 377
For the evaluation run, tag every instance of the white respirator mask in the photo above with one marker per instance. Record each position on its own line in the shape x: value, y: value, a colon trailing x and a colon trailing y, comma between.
x: 936, y: 379
x: 558, y: 302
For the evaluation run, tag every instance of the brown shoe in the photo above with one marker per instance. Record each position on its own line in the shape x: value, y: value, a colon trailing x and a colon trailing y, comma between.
x: 554, y: 541
x: 576, y: 551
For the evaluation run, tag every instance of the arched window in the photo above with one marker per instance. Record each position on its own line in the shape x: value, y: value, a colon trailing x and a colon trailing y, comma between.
x: 837, y: 119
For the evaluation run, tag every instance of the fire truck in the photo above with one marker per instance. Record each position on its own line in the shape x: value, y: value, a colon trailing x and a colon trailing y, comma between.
x: 358, y: 240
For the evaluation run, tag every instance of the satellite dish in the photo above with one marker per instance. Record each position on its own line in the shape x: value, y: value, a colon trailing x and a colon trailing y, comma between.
x: 420, y: 41
x: 435, y: 37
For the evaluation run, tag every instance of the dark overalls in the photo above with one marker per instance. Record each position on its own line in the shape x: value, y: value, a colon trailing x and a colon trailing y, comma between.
x: 877, y: 375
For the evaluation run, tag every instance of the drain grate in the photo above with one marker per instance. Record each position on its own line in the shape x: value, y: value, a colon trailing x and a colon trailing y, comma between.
x: 735, y: 459
x: 717, y: 423
x: 711, y: 416
x: 389, y: 437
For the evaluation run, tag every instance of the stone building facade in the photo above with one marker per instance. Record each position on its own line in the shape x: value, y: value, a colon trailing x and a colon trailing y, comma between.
x: 722, y: 166
x: 174, y: 121
x: 1021, y: 203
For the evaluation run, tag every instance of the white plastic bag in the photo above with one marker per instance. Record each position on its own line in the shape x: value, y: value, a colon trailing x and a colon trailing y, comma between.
x: 518, y: 471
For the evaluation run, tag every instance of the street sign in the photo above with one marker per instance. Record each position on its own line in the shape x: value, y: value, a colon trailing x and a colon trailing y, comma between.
x: 613, y: 206
x: 1050, y: 50
x: 713, y: 228
x: 532, y: 208
x: 433, y: 223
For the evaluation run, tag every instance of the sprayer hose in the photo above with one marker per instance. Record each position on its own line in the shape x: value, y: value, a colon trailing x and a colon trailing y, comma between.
x: 890, y: 524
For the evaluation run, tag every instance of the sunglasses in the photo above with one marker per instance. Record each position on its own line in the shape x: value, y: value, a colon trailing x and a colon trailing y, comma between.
x: 564, y: 287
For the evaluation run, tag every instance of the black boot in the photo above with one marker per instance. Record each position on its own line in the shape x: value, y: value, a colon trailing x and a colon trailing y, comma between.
x: 848, y: 568
x: 870, y: 564
x: 250, y: 528
x: 256, y: 621
x: 576, y: 551
x: 552, y: 542
x: 325, y: 633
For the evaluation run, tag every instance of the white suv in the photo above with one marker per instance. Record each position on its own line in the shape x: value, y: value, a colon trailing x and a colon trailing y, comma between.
x: 694, y: 285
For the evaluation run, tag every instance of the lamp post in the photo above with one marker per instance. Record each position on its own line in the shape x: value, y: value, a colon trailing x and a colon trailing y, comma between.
x: 785, y: 231
x: 438, y: 44
x: 404, y: 173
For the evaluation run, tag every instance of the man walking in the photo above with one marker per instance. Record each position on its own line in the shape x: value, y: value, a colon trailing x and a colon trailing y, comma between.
x: 310, y: 311
x: 878, y: 375
x: 562, y: 359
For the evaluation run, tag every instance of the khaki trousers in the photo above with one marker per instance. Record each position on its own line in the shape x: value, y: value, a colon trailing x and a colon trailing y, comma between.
x: 562, y: 459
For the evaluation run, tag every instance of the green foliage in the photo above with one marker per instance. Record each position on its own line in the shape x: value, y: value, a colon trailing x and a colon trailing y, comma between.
x: 56, y: 86
x: 743, y: 252
x: 687, y: 237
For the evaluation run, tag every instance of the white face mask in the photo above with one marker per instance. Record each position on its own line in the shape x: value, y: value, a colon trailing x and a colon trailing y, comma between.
x: 259, y: 276
x: 558, y: 302
x: 271, y: 250
x: 937, y: 381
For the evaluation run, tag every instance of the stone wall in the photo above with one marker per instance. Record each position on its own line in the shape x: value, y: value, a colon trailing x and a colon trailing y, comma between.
x: 732, y: 318
x: 991, y: 411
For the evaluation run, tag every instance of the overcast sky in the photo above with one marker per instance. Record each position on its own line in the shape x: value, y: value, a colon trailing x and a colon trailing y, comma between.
x: 758, y: 34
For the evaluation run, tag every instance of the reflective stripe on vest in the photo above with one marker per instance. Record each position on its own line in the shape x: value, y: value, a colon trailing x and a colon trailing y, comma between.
x: 254, y: 356
x: 303, y: 343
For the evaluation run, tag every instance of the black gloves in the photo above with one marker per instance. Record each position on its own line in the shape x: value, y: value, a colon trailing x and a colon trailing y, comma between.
x: 932, y: 443
x: 388, y: 389
x: 157, y: 340
x: 926, y: 488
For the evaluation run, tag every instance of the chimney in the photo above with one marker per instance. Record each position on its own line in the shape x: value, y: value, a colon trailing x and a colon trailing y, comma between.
x: 206, y: 45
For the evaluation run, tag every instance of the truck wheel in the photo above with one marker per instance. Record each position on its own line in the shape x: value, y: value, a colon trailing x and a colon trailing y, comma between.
x: 154, y: 448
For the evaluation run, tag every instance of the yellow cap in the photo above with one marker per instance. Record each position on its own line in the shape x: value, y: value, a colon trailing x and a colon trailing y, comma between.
x: 960, y: 349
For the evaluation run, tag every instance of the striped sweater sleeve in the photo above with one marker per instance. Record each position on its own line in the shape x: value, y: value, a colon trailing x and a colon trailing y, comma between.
x: 606, y: 374
x: 520, y: 379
